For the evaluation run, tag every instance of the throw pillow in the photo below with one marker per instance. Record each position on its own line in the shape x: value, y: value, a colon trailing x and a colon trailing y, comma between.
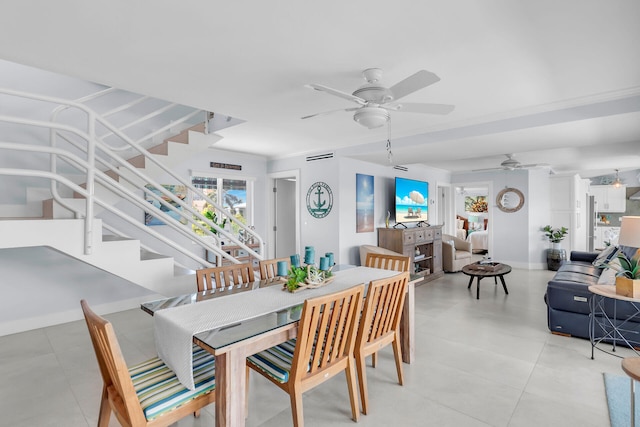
x: 606, y: 255
x: 460, y: 224
x: 608, y: 276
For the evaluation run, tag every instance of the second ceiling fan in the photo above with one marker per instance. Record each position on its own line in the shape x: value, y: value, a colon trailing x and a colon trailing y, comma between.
x: 376, y: 101
x: 512, y: 164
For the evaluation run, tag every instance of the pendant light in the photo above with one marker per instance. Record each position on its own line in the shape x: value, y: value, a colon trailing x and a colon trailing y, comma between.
x: 616, y: 182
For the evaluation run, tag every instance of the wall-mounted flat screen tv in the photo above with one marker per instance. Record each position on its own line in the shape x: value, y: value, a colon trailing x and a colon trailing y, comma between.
x: 412, y: 200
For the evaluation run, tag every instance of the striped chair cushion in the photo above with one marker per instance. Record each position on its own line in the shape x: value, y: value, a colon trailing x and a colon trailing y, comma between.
x: 159, y: 390
x: 275, y: 361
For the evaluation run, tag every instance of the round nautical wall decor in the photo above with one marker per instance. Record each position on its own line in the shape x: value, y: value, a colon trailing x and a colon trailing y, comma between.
x: 319, y: 199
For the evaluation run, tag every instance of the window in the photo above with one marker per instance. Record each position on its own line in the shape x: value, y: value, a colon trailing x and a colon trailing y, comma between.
x: 234, y: 194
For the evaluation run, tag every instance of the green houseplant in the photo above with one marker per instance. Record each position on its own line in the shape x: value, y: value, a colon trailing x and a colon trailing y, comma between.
x: 555, y: 235
x: 625, y: 267
x: 556, y: 255
x: 209, y: 213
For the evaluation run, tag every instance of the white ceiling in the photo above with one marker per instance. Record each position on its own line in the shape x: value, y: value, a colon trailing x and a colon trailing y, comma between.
x: 552, y: 81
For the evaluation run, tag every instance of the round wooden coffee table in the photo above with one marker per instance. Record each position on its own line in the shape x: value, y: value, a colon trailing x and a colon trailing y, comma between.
x: 501, y: 270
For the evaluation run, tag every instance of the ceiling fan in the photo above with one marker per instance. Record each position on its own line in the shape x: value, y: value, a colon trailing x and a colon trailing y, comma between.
x: 376, y: 101
x: 512, y: 164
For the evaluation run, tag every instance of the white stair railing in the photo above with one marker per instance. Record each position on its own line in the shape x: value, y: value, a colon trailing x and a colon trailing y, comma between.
x: 103, y: 179
x: 104, y: 155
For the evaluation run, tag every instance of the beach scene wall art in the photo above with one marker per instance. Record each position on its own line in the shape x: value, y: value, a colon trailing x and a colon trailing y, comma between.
x: 364, y: 203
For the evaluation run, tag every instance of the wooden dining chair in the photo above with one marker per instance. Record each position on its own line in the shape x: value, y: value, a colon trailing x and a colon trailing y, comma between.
x: 387, y: 262
x: 379, y: 327
x: 147, y: 394
x: 225, y: 276
x: 323, y: 348
x: 269, y: 267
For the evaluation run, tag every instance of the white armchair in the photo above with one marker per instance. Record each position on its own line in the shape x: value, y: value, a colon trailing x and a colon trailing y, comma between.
x: 456, y: 253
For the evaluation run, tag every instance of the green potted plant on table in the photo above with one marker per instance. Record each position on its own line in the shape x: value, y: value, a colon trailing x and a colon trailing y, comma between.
x: 308, y: 276
x: 627, y: 273
x: 556, y: 255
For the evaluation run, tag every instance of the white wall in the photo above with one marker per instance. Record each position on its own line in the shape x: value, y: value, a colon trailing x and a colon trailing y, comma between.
x: 515, y: 238
x: 337, y: 232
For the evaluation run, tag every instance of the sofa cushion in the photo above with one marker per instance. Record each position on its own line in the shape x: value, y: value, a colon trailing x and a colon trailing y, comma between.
x: 581, y: 268
x: 160, y: 391
x: 605, y: 256
x: 583, y: 256
x: 608, y: 276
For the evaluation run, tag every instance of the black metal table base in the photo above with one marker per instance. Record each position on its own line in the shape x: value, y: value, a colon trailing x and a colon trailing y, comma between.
x: 495, y: 279
x: 603, y: 328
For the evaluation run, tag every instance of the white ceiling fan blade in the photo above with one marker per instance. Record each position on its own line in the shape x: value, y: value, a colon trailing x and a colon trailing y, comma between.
x: 417, y: 81
x: 535, y: 165
x: 329, y: 112
x: 338, y: 93
x: 487, y: 169
x: 414, y: 107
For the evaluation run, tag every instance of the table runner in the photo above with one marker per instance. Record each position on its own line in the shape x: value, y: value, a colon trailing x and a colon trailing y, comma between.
x: 174, y: 327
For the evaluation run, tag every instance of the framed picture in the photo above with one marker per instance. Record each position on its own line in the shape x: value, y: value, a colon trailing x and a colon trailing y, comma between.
x: 180, y: 191
x: 364, y: 203
x: 476, y: 204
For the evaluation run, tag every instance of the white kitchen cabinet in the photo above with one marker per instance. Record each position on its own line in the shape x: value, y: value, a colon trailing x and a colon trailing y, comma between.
x: 609, y: 198
x: 568, y: 195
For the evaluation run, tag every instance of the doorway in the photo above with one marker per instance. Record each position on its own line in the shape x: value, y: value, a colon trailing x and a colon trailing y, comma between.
x: 446, y: 217
x: 285, y: 214
x: 472, y: 203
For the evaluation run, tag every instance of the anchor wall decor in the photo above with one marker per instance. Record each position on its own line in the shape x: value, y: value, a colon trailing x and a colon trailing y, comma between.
x: 319, y: 199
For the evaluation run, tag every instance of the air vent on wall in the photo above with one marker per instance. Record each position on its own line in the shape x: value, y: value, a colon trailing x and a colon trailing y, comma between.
x: 401, y: 168
x: 320, y: 157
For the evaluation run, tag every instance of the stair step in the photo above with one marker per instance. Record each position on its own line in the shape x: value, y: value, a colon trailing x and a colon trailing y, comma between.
x: 139, y: 161
x: 146, y: 255
x: 114, y: 238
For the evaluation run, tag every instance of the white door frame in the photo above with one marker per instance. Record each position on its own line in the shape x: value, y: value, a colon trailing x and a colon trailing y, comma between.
x: 445, y: 209
x: 295, y: 173
x: 490, y: 203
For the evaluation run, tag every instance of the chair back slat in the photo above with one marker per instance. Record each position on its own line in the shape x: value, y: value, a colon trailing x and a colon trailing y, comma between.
x: 112, y: 365
x: 224, y: 276
x: 382, y: 308
x: 269, y: 267
x: 387, y: 262
x: 327, y: 332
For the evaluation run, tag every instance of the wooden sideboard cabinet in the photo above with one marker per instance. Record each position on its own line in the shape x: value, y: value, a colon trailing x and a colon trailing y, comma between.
x: 423, y: 245
x: 236, y: 252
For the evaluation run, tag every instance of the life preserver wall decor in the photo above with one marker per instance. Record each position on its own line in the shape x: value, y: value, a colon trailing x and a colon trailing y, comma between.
x: 319, y: 199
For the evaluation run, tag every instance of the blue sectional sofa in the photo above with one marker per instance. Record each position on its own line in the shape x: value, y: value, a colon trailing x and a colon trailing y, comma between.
x: 568, y: 297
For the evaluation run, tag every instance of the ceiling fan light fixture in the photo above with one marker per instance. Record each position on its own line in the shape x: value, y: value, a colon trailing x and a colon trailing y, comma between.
x: 371, y: 117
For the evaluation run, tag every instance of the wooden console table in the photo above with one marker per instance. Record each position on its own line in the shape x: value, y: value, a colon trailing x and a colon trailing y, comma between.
x: 423, y: 245
x: 237, y: 252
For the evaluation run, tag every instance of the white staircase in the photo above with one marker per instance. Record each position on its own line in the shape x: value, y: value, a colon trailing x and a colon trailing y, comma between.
x: 122, y: 257
x: 74, y: 232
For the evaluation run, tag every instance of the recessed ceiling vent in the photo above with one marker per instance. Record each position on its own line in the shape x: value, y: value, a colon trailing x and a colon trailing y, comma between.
x: 320, y: 157
x: 401, y: 168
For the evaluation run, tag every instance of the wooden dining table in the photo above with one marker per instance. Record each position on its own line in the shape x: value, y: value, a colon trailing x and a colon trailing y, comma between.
x: 231, y: 343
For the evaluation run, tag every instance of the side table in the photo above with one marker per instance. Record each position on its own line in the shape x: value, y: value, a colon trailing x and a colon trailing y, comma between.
x: 603, y: 327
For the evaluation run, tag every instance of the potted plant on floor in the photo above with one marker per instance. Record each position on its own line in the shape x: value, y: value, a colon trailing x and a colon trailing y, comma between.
x: 556, y: 255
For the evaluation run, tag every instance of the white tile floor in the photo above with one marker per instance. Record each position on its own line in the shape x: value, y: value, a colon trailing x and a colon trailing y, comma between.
x: 487, y: 362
